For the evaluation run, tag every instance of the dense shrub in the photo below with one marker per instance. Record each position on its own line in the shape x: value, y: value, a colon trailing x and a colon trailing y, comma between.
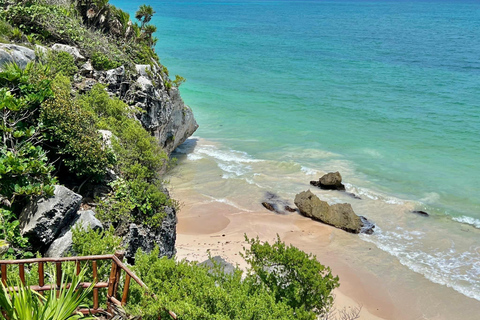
x: 139, y: 159
x: 100, y: 61
x: 73, y: 131
x: 195, y: 292
x: 24, y: 169
x: 61, y: 63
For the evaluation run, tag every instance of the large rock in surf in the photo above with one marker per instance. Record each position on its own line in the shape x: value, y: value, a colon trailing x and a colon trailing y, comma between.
x: 330, y: 181
x: 43, y: 220
x: 337, y: 215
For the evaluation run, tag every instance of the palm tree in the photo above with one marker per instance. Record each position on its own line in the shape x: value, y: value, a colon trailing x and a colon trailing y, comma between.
x: 148, y: 31
x: 144, y: 14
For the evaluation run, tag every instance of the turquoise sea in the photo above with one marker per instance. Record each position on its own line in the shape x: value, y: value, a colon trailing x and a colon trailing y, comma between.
x: 386, y: 92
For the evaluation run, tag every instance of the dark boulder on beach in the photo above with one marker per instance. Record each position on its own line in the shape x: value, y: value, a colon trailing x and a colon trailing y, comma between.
x: 330, y: 181
x: 339, y: 215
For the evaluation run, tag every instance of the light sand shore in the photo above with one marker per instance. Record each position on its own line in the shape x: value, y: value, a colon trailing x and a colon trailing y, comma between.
x: 220, y: 228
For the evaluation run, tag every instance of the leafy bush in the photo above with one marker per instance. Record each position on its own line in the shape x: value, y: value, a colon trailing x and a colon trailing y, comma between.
x: 101, y: 62
x: 139, y: 160
x: 73, y: 131
x: 290, y: 284
x: 192, y: 292
x: 291, y: 275
x: 61, y: 62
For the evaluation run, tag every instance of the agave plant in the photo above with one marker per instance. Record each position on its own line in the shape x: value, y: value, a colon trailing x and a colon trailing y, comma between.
x: 26, y: 304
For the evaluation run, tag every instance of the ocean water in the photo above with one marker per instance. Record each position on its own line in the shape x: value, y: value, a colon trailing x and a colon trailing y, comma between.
x: 386, y: 92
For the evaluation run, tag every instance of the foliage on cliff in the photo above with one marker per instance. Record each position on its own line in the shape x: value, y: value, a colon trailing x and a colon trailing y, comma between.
x: 292, y: 285
x: 51, y: 133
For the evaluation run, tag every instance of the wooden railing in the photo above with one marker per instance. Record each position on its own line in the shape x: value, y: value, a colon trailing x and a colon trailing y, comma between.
x: 111, y: 285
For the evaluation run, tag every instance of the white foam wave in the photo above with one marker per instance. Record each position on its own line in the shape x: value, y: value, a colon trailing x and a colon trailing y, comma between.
x: 228, y: 202
x: 468, y: 220
x: 457, y: 270
x: 225, y: 155
x: 309, y: 171
x: 194, y: 157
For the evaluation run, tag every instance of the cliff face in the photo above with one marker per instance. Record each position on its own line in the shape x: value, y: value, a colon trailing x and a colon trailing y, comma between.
x: 164, y: 115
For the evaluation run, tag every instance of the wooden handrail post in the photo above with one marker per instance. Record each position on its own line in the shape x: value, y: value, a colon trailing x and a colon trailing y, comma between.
x: 21, y: 272
x: 3, y: 268
x: 125, y: 289
x: 95, y: 290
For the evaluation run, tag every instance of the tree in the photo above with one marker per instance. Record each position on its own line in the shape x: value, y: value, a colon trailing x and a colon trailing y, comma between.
x: 144, y: 14
x: 292, y: 275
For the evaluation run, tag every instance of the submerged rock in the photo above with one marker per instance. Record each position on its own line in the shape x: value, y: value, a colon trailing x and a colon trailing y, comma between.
x: 276, y: 204
x: 422, y: 213
x: 330, y: 181
x: 339, y: 215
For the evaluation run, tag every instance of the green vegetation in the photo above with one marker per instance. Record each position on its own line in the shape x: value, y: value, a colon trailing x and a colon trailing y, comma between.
x: 292, y: 285
x: 24, y: 168
x: 26, y: 304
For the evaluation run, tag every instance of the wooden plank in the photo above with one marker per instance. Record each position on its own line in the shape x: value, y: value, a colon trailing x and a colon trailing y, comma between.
x: 3, y: 268
x: 21, y: 272
x: 95, y: 290
x: 125, y: 289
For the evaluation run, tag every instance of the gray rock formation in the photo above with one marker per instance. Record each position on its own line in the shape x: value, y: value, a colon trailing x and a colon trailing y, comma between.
x: 224, y: 265
x: 4, y: 247
x: 145, y: 238
x: 63, y: 244
x: 330, y: 181
x: 337, y: 215
x: 69, y: 49
x: 43, y: 219
x: 13, y: 53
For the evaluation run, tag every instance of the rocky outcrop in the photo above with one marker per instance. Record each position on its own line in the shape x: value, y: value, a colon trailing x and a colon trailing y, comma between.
x: 339, y: 215
x: 63, y: 244
x: 164, y: 114
x: 69, y: 49
x: 330, y: 181
x: 44, y: 219
x: 145, y: 238
x: 12, y: 53
x: 223, y: 264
